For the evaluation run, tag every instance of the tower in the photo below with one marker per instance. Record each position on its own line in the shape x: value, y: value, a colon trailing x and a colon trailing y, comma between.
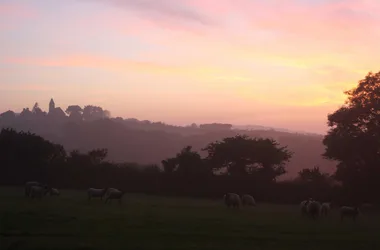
x: 51, y: 106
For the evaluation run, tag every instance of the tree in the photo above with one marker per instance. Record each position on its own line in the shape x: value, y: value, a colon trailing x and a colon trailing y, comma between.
x: 354, y: 135
x: 26, y: 114
x: 8, y: 115
x: 187, y: 163
x: 98, y: 155
x: 36, y: 109
x: 75, y: 112
x: 91, y: 113
x: 107, y: 114
x: 313, y: 175
x: 170, y: 165
x: 151, y: 169
x: 26, y: 155
x: 242, y: 155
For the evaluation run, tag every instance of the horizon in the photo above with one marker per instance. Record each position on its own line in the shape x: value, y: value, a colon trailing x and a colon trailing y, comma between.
x: 262, y: 63
x: 234, y: 126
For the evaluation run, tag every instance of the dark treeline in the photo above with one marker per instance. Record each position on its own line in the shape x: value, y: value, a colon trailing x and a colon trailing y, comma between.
x: 235, y: 163
x: 239, y: 164
x: 146, y: 142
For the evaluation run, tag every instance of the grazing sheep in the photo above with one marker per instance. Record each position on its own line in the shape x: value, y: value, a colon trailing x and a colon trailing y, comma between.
x: 314, y: 209
x: 109, y: 190
x: 325, y: 208
x: 248, y: 200
x: 96, y: 193
x: 114, y: 194
x: 54, y: 192
x: 231, y: 199
x: 30, y: 184
x: 38, y: 191
x: 352, y: 212
x: 304, y: 206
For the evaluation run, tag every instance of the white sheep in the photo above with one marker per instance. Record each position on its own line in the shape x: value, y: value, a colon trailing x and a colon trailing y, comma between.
x: 314, y: 209
x: 109, y: 190
x: 248, y: 200
x: 304, y: 206
x: 96, y: 193
x: 38, y: 191
x: 231, y: 199
x: 30, y: 184
x: 114, y: 194
x: 352, y: 212
x: 325, y: 208
x: 54, y: 192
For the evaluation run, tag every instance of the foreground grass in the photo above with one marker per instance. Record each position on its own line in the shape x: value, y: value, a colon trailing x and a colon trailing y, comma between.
x: 149, y: 222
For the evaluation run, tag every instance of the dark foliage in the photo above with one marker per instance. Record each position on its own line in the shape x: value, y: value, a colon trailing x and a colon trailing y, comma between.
x: 146, y: 142
x: 354, y: 138
x: 25, y: 157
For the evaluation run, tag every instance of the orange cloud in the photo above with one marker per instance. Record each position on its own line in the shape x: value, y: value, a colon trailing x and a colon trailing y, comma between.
x: 130, y: 66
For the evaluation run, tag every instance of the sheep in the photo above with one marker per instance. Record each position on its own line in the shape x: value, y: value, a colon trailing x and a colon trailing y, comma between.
x: 304, y: 206
x: 109, y: 190
x: 38, y: 191
x: 248, y: 200
x: 349, y: 212
x: 96, y: 193
x: 114, y: 194
x: 231, y: 199
x: 30, y: 184
x: 54, y: 192
x: 325, y: 208
x: 314, y: 209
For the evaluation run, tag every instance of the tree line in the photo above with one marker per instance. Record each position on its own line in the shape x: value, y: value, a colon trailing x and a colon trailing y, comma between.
x: 239, y: 163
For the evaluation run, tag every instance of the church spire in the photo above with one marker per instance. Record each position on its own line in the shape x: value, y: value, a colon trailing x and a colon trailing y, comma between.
x: 51, y: 106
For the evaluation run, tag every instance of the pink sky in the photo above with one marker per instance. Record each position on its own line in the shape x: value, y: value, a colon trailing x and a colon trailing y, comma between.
x: 276, y: 63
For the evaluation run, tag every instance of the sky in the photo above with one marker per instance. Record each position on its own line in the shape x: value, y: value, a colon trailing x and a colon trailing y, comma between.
x: 266, y: 62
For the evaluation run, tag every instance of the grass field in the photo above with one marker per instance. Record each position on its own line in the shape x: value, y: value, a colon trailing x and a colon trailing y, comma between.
x: 149, y: 222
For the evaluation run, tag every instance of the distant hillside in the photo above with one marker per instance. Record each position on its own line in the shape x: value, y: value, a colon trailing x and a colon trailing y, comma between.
x: 146, y: 142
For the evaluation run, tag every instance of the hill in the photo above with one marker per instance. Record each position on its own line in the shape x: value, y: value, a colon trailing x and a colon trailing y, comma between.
x: 130, y: 140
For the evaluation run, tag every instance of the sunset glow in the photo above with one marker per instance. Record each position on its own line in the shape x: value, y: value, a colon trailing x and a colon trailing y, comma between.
x: 266, y: 62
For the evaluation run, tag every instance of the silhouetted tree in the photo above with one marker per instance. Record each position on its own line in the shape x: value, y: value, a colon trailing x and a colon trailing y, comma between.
x: 37, y: 111
x: 97, y: 156
x: 26, y: 114
x: 354, y: 135
x: 151, y: 169
x: 190, y: 162
x: 242, y: 155
x: 91, y: 113
x: 79, y: 159
x: 187, y: 163
x: 313, y: 175
x: 8, y: 115
x: 74, y: 112
x: 107, y: 114
x: 26, y: 154
x: 170, y: 165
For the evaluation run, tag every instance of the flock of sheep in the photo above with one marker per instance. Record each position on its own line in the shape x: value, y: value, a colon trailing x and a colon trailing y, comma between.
x: 35, y: 189
x: 309, y: 207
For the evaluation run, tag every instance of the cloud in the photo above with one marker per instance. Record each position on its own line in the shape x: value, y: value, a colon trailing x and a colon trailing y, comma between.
x: 14, y: 10
x: 124, y: 66
x: 163, y: 9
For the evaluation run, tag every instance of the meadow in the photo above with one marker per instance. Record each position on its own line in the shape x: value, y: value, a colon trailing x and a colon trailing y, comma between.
x: 153, y: 222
